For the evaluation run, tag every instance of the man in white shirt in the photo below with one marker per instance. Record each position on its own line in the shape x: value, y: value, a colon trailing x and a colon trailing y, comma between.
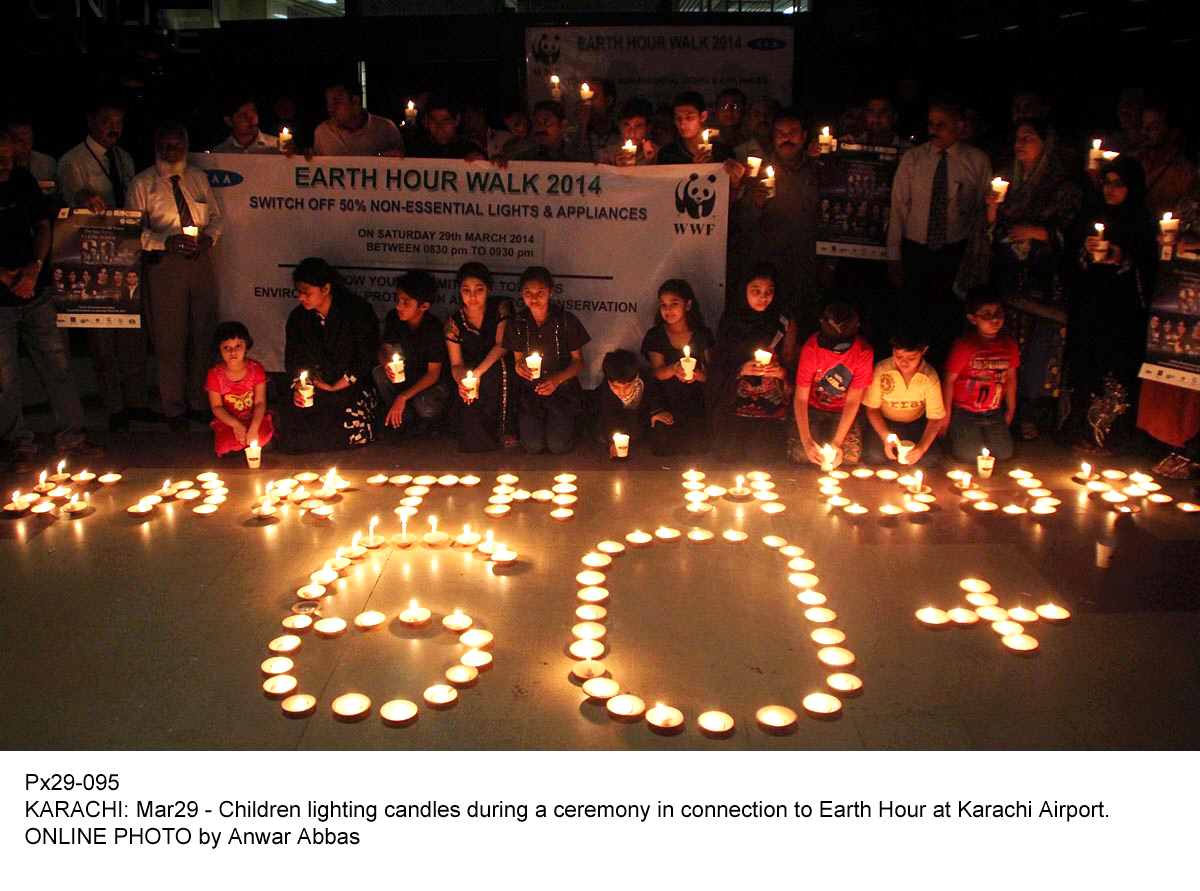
x: 180, y: 285
x: 244, y: 136
x: 96, y: 175
x: 351, y: 129
x: 939, y: 197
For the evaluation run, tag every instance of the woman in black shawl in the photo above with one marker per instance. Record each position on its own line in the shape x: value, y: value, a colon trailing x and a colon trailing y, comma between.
x: 749, y: 402
x: 332, y: 335
x: 1108, y: 315
x: 1029, y: 235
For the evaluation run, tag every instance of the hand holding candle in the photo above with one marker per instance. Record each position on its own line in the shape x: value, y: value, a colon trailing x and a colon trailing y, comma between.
x: 534, y: 363
x: 395, y: 369
x: 470, y: 387
x: 828, y: 454
x: 286, y: 143
x: 688, y: 364
x: 304, y: 391
x: 768, y: 182
x: 1000, y: 189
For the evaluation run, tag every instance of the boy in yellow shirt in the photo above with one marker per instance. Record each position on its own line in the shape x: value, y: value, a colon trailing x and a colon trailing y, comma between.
x: 904, y: 404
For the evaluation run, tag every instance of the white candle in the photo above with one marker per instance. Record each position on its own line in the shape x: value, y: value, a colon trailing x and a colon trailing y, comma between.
x: 555, y: 88
x: 752, y: 165
x: 1000, y: 188
x: 395, y: 369
x: 585, y: 92
x: 305, y: 389
x: 410, y: 113
x: 629, y: 151
x: 828, y: 453
x: 534, y: 363
x: 191, y: 231
x: 1095, y: 155
x: 471, y: 385
x: 825, y: 141
x: 688, y: 364
x: 985, y: 463
x: 1169, y: 226
x: 768, y: 182
x: 253, y: 455
x: 763, y: 357
x: 621, y: 444
x: 415, y: 616
x: 433, y: 538
x: 285, y: 139
x: 1100, y: 252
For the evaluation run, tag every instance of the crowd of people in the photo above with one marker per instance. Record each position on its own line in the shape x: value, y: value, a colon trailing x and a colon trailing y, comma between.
x: 996, y: 315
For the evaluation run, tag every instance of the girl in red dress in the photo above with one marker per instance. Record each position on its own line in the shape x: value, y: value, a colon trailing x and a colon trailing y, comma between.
x: 237, y: 393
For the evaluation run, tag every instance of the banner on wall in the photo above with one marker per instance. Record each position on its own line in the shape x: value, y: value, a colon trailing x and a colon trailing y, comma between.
x: 660, y: 61
x: 609, y: 235
x: 95, y: 269
x: 1173, y: 336
x: 856, y: 201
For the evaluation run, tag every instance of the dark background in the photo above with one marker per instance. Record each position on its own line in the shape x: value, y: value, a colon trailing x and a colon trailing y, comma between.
x: 1077, y: 53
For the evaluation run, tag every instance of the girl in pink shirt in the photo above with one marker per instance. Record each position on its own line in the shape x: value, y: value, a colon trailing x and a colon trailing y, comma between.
x: 237, y: 393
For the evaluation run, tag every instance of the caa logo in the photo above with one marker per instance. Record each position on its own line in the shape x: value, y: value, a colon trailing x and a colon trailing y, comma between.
x: 545, y: 48
x: 766, y: 43
x: 219, y: 179
x: 696, y: 196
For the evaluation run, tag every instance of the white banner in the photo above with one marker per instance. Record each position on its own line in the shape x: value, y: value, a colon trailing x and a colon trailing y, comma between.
x: 660, y: 61
x: 609, y: 235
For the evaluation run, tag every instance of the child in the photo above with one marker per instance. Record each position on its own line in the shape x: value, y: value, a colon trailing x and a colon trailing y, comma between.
x: 689, y: 147
x: 677, y: 325
x: 237, y: 393
x: 979, y: 388
x: 835, y: 370
x: 414, y: 334
x: 631, y: 402
x: 475, y: 343
x: 549, y: 405
x: 904, y: 400
x: 748, y: 401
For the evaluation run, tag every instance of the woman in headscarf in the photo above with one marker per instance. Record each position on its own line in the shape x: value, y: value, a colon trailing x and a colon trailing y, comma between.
x: 1108, y: 314
x: 748, y: 400
x: 1029, y: 231
x: 332, y: 336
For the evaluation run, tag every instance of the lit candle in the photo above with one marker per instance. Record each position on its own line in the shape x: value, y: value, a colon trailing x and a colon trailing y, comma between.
x: 372, y: 540
x: 629, y: 152
x: 918, y: 486
x: 471, y: 385
x: 433, y: 538
x: 1095, y: 155
x: 410, y: 113
x: 300, y: 705
x: 775, y: 717
x: 828, y: 453
x: 285, y: 140
x: 398, y: 712
x: 752, y: 165
x: 1169, y: 226
x: 440, y: 696
x: 555, y: 88
x: 621, y: 445
x: 763, y: 357
x: 693, y: 476
x: 932, y: 616
x: 330, y: 626
x: 768, y: 182
x: 415, y: 616
x: 488, y: 544
x: 462, y: 675
x: 1021, y: 643
x: 585, y: 92
x: 626, y: 706
x: 457, y: 622
x: 1052, y: 612
x: 740, y: 491
x: 16, y: 506
x: 821, y: 704
x: 534, y: 363
x: 253, y: 455
x: 351, y: 707
x: 305, y: 389
x: 338, y: 562
x: 83, y: 477
x: 503, y: 555
x: 1100, y: 251
x: 1000, y: 189
x: 825, y: 141
x: 369, y: 620
x: 664, y: 717
x: 191, y: 231
x: 639, y: 539
x: 109, y: 479
x: 468, y: 539
x: 688, y: 364
x: 985, y: 463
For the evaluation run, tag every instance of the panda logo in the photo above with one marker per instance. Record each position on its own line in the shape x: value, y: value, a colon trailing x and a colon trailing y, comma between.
x: 696, y: 196
x: 545, y: 48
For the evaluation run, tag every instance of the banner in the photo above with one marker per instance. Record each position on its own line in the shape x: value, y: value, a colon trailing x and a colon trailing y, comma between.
x: 856, y: 201
x: 1173, y: 339
x: 609, y: 235
x: 95, y: 269
x: 660, y: 61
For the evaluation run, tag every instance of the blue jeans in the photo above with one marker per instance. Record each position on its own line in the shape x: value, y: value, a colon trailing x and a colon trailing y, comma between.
x: 36, y: 323
x: 971, y: 432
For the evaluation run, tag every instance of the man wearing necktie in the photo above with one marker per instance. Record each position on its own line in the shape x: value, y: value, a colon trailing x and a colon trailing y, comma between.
x: 95, y: 175
x: 180, y: 224
x: 938, y: 199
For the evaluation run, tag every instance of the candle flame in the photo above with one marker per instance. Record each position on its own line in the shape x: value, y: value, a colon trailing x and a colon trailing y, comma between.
x: 554, y: 79
x: 374, y: 522
x: 284, y: 132
x: 354, y: 540
x: 740, y: 481
x: 339, y: 552
x: 467, y: 529
x: 892, y: 437
x: 61, y: 465
x: 583, y: 87
x: 1086, y: 468
x: 489, y: 536
x: 254, y: 443
x: 629, y: 146
x: 303, y: 377
x: 687, y: 351
x: 770, y: 172
x: 986, y: 453
x: 825, y: 132
x: 395, y: 357
x: 433, y: 524
x: 1099, y: 228
x: 412, y: 604
x: 411, y: 105
x: 1167, y: 217
x: 1095, y: 143
x: 42, y: 477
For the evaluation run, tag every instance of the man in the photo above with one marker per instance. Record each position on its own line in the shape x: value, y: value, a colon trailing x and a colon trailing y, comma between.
x: 95, y: 175
x: 351, y: 129
x: 443, y: 115
x: 1170, y: 176
x: 879, y: 116
x: 938, y: 198
x: 731, y: 112
x: 180, y: 286
x: 760, y: 142
x: 1129, y: 119
x: 549, y: 136
x: 691, y: 118
x: 596, y: 132
x: 28, y: 316
x: 785, y: 226
x: 244, y: 136
x: 635, y: 117
x: 42, y: 166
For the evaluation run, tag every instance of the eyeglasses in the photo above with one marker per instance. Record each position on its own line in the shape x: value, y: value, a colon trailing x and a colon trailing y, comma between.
x: 729, y: 106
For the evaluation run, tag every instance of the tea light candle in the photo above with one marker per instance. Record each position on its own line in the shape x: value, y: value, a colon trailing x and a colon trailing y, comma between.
x: 398, y: 712
x: 986, y: 506
x: 1052, y: 613
x: 205, y: 510
x: 775, y: 542
x: 985, y: 463
x: 562, y: 513
x: 699, y: 536
x: 592, y: 594
x: 890, y: 511
x: 324, y: 576
x: 639, y: 539
x: 666, y: 533
x: 803, y: 580
x: 543, y: 495
x: 693, y: 476
x: 462, y: 675
x: 596, y: 560
x: 886, y: 474
x: 440, y: 695
x: 16, y: 506
x: 838, y: 501
x: 1113, y: 497
x: 960, y: 616
x: 734, y: 536
x: 470, y: 480
x: 626, y: 706
x: 932, y: 616
x: 284, y: 645
x: 312, y: 591
x: 715, y: 491
x: 377, y: 480
x: 534, y: 363
x: 1022, y: 614
x: 588, y: 631
x: 503, y: 556
x: 457, y: 622
x: 83, y: 477
x: 400, y: 479
x: 589, y: 578
x: 590, y: 612
x: 982, y: 599
x: 973, y: 585
x: 1188, y: 507
x: 338, y: 562
x: 629, y: 150
x: 821, y: 704
x: 277, y: 665
x: 297, y: 622
x: 405, y: 539
x: 820, y: 615
x: 1013, y: 510
x: 844, y: 682
x: 586, y: 649
x: 862, y: 473
x: 588, y: 669
x: 141, y: 507
x: 60, y: 475
x: 810, y: 598
x: 715, y: 723
x: 330, y: 626
x: 664, y: 717
x: 827, y: 637
x: 476, y: 638
x: 477, y: 659
x: 433, y: 538
x: 974, y: 495
x: 487, y: 545
x: 468, y: 539
x: 775, y: 717
x: 369, y: 620
x: 1021, y: 643
x: 740, y: 492
x: 109, y: 479
x: 916, y: 507
x: 612, y: 548
x: 991, y: 613
x: 299, y: 705
x: 835, y: 656
x: 1159, y: 498
x: 415, y: 616
x: 564, y: 499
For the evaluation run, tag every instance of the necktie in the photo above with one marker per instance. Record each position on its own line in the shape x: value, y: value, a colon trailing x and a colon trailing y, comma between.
x: 935, y: 237
x: 114, y: 176
x: 185, y: 212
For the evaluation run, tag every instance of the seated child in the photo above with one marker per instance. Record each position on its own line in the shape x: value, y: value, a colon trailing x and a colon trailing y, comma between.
x: 979, y: 387
x: 834, y: 371
x: 904, y: 404
x: 414, y: 334
x: 678, y: 326
x: 237, y: 393
x: 631, y: 403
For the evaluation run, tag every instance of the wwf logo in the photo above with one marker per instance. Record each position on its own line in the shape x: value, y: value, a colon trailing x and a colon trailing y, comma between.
x: 219, y: 179
x: 697, y: 195
x: 545, y: 48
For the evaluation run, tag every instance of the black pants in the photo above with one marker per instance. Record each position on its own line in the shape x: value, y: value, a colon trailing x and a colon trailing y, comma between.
x: 929, y: 296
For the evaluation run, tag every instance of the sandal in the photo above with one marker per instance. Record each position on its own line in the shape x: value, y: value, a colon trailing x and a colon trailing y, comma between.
x: 1177, y: 467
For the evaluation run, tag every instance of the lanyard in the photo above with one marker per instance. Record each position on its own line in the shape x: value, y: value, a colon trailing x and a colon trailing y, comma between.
x: 114, y: 175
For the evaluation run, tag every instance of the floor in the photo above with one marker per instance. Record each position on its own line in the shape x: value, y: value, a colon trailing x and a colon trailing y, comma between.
x: 133, y: 633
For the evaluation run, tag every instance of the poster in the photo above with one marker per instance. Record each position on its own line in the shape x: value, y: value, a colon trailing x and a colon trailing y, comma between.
x: 609, y: 235
x: 659, y: 61
x: 856, y: 201
x: 95, y: 269
x: 1173, y: 335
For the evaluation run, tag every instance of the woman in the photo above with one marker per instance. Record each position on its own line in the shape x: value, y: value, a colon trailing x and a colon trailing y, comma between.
x: 748, y: 402
x: 679, y: 325
x: 1108, y: 315
x: 332, y: 335
x: 475, y: 341
x: 1028, y: 234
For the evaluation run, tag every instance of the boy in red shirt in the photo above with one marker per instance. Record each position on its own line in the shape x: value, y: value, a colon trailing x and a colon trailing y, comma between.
x: 980, y: 384
x: 836, y: 366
